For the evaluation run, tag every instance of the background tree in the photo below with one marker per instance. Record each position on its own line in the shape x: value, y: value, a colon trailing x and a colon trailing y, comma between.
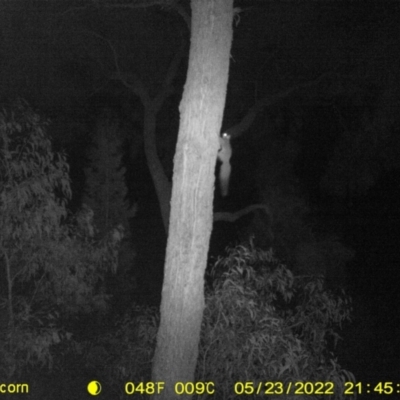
x: 105, y: 190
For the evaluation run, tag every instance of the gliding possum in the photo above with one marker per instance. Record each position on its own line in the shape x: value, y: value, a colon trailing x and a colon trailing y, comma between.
x: 224, y: 155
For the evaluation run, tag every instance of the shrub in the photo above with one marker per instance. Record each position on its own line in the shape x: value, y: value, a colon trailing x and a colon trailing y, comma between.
x: 51, y: 273
x: 260, y: 324
x: 126, y: 352
x: 263, y: 324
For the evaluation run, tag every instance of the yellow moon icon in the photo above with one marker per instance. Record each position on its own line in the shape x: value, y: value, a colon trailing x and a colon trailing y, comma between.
x: 94, y: 388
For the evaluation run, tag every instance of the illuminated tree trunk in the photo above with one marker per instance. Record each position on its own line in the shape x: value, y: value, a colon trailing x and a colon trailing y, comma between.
x: 190, y: 225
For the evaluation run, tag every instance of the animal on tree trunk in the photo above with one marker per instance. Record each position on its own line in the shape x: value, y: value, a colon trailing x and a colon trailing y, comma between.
x: 224, y: 155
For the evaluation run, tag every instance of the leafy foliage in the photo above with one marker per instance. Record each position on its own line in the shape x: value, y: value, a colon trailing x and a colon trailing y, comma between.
x: 105, y: 178
x: 31, y: 174
x: 125, y: 353
x: 262, y: 323
x: 52, y: 274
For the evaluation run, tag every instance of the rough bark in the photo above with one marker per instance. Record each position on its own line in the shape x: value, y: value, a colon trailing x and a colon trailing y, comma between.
x: 191, y: 217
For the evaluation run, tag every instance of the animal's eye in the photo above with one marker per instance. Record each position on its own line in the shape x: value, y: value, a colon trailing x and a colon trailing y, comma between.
x: 226, y: 136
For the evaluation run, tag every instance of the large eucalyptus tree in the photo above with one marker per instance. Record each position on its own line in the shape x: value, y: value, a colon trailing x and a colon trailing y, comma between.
x: 191, y: 215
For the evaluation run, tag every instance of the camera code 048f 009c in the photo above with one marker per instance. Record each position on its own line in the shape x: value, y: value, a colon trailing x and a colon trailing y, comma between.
x: 149, y: 388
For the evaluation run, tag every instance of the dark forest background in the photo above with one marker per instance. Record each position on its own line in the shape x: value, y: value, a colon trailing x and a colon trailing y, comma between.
x: 320, y: 81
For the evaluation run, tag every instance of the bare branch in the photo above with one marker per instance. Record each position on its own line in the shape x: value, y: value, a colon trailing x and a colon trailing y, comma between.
x: 232, y: 217
x: 248, y: 119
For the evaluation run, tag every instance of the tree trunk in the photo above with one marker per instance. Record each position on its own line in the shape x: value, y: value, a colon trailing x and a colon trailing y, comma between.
x: 160, y: 180
x: 190, y: 225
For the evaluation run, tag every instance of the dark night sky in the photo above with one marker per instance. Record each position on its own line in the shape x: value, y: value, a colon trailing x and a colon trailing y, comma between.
x: 329, y: 132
